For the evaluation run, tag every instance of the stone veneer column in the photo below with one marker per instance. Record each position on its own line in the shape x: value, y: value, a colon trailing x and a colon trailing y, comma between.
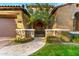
x: 20, y: 26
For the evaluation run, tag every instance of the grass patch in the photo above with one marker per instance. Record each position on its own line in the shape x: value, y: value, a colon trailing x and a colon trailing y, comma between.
x: 58, y: 50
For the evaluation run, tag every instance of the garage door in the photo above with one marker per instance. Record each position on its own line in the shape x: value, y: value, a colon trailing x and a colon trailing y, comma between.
x: 7, y: 27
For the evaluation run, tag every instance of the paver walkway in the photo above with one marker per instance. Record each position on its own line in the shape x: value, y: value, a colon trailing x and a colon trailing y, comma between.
x: 22, y: 49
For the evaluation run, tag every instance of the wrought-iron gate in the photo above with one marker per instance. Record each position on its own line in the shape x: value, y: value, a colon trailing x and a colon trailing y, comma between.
x: 39, y: 33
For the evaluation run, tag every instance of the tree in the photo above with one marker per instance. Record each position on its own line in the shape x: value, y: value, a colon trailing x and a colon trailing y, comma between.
x: 41, y: 13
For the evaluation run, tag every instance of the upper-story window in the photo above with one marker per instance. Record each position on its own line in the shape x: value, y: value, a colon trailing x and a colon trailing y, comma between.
x: 77, y: 5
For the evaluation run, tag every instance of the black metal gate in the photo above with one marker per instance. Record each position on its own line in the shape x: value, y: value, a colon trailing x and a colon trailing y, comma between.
x: 39, y: 33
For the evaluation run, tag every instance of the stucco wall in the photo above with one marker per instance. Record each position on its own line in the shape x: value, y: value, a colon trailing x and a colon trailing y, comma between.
x: 65, y: 16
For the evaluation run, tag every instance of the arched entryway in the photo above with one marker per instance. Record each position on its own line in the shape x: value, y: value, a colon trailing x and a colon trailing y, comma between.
x: 39, y: 27
x: 76, y: 21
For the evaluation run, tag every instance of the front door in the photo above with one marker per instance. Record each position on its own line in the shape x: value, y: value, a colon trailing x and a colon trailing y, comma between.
x: 39, y: 29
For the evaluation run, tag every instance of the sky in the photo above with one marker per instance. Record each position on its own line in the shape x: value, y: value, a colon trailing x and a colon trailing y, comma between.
x: 14, y: 4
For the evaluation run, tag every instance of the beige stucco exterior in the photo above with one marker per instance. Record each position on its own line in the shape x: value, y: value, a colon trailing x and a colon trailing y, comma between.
x: 65, y: 16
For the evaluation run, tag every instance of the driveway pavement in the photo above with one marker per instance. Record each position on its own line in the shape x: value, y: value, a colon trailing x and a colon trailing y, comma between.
x: 4, y: 41
x: 22, y: 49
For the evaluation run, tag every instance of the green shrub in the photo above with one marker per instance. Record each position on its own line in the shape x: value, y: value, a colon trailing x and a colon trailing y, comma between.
x: 65, y: 36
x: 65, y: 33
x: 53, y: 39
x: 62, y: 38
x: 19, y: 40
x: 75, y: 38
x: 50, y: 39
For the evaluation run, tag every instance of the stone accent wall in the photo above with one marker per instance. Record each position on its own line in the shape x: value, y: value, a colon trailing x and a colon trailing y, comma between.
x: 20, y: 25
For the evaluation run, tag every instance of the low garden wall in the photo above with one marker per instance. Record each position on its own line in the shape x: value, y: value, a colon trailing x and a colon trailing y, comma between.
x: 29, y: 35
x: 56, y: 35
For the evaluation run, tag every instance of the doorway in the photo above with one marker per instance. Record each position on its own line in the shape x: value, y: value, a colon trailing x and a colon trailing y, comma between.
x: 39, y: 29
